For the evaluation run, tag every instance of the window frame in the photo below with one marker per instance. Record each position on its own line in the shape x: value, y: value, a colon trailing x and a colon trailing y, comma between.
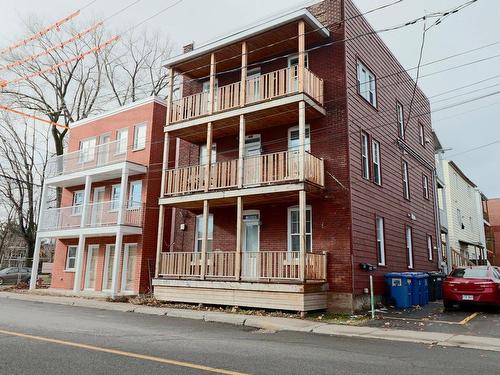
x: 430, y: 247
x: 376, y: 166
x: 135, y: 145
x: 68, y: 258
x: 405, y: 172
x: 409, y: 246
x: 203, y: 149
x: 421, y: 134
x: 86, y: 156
x: 370, y: 80
x: 381, y: 256
x: 365, y: 160
x: 132, y: 204
x: 210, y: 236
x: 307, y: 144
x: 400, y: 119
x: 307, y: 234
x: 425, y: 186
x: 115, y: 203
x: 118, y: 150
x: 77, y: 208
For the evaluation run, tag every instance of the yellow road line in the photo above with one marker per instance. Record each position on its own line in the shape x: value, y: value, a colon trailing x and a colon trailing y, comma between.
x: 122, y: 353
x: 469, y: 318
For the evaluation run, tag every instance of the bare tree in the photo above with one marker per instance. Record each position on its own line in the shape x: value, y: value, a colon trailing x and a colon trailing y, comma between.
x: 23, y: 155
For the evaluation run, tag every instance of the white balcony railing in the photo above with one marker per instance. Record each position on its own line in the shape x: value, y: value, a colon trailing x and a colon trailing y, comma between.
x: 265, y: 87
x: 275, y: 168
x: 94, y: 156
x: 97, y: 215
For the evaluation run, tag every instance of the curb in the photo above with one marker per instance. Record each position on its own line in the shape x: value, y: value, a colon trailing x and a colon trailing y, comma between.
x: 276, y: 324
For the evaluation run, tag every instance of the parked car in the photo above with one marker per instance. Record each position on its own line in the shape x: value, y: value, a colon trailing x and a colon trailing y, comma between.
x: 14, y: 275
x: 472, y: 285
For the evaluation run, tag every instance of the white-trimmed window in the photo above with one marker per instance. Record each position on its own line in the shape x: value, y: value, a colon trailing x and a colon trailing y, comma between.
x: 204, y: 154
x: 367, y: 84
x: 425, y: 182
x: 294, y: 229
x: 409, y: 246
x: 71, y: 258
x: 430, y: 247
x: 421, y: 134
x: 115, y: 197
x: 365, y: 156
x: 140, y: 137
x: 78, y: 202
x: 199, y: 232
x: 294, y: 139
x: 401, y: 120
x: 406, y: 181
x: 121, y: 141
x: 379, y: 224
x: 135, y: 194
x: 87, y: 150
x: 377, y: 171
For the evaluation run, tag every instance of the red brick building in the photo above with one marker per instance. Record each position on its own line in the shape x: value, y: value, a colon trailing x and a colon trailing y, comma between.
x: 493, y: 232
x: 317, y: 165
x: 118, y: 151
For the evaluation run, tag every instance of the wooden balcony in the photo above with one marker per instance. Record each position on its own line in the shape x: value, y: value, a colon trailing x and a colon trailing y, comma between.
x: 275, y: 266
x: 270, y: 86
x: 264, y: 170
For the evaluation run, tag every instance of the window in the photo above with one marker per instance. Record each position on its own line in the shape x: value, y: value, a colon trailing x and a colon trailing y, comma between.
x: 471, y: 224
x: 121, y: 141
x: 406, y: 181
x: 421, y: 134
x: 430, y: 247
x: 401, y: 120
x: 379, y: 223
x: 365, y: 160
x: 87, y: 150
x: 367, y: 84
x: 294, y: 229
x: 204, y: 155
x: 472, y: 273
x: 377, y: 175
x: 425, y: 182
x: 135, y: 195
x: 71, y: 258
x: 459, y: 218
x: 409, y: 246
x: 455, y: 177
x: 199, y: 232
x: 293, y: 139
x: 78, y: 202
x: 294, y: 60
x: 140, y: 137
x: 115, y: 197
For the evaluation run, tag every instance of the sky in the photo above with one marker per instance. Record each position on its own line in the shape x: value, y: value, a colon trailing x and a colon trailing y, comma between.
x: 460, y: 128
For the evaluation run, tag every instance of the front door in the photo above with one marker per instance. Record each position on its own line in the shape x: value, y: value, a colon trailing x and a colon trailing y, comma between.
x: 251, y: 243
x: 108, y: 267
x: 103, y: 149
x: 253, y: 86
x: 91, y: 267
x: 129, y: 267
x: 252, y: 165
x: 97, y: 206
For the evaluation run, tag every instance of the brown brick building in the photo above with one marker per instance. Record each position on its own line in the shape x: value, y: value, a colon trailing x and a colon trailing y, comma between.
x: 317, y: 165
x: 493, y: 232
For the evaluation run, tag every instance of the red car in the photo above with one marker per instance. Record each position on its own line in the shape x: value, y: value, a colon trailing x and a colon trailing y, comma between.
x: 472, y: 285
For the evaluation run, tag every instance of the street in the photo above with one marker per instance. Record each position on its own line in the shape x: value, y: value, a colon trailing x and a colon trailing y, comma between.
x: 46, y: 338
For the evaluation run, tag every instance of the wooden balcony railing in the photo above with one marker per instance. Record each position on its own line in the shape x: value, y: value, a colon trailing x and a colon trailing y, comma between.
x: 460, y: 260
x: 267, y: 86
x: 275, y: 168
x: 255, y: 266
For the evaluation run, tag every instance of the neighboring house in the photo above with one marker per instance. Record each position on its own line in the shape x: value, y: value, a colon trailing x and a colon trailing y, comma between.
x: 493, y: 237
x: 441, y: 204
x: 465, y: 217
x: 106, y: 226
x: 297, y: 162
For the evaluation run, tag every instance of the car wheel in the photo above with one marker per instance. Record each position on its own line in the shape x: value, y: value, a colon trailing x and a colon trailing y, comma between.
x: 1, y: 281
x: 447, y: 304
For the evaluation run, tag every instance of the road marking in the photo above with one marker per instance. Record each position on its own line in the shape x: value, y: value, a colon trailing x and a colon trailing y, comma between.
x: 469, y: 318
x: 123, y: 353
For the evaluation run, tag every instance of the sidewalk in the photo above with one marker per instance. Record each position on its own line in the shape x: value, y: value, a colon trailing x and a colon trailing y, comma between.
x: 274, y: 323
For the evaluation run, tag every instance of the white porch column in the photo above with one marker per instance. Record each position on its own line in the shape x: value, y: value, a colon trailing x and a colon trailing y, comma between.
x: 209, y: 157
x: 302, y: 233
x: 161, y: 217
x: 302, y: 55
x: 81, y: 239
x: 115, y: 280
x: 239, y: 244
x: 38, y: 241
x: 204, y: 241
x: 86, y: 201
x: 302, y: 139
x: 123, y: 196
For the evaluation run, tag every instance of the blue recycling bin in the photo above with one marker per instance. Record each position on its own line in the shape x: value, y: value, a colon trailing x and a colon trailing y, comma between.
x: 419, y: 288
x: 399, y: 286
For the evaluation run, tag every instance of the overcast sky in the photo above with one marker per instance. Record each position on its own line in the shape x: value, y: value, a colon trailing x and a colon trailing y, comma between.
x: 460, y: 128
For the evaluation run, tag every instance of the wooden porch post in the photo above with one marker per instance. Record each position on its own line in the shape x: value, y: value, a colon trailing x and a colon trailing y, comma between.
x: 241, y: 151
x: 170, y: 91
x: 244, y: 70
x: 161, y: 217
x: 302, y: 55
x: 204, y: 240
x: 302, y: 139
x: 209, y: 156
x: 239, y: 228
x: 302, y: 233
x: 211, y: 94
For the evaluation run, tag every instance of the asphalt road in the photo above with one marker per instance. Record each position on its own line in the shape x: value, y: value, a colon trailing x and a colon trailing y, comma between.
x: 38, y: 338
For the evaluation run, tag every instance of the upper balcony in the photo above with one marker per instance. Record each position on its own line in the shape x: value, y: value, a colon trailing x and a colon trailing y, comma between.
x: 104, y: 162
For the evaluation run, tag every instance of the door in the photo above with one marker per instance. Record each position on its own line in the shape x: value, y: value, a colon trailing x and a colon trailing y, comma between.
x: 103, y: 149
x: 206, y: 91
x: 108, y: 267
x: 293, y: 68
x: 252, y: 166
x: 293, y: 150
x: 253, y: 86
x: 129, y: 267
x: 97, y: 207
x: 251, y: 243
x: 91, y: 268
